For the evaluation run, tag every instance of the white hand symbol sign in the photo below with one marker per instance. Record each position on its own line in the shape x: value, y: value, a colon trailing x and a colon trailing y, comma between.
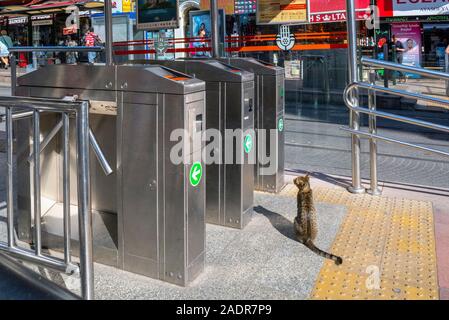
x: 285, y: 40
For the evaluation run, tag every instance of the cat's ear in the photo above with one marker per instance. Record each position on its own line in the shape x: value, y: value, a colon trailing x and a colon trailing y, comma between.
x: 307, y: 176
x: 296, y: 181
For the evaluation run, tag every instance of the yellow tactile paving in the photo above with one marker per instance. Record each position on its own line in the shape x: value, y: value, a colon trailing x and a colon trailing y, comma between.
x: 387, y: 245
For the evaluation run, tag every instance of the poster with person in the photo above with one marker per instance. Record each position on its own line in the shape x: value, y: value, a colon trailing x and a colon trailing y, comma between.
x: 200, y: 25
x: 409, y: 34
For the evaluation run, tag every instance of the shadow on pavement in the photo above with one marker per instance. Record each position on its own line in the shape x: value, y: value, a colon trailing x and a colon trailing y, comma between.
x: 279, y: 222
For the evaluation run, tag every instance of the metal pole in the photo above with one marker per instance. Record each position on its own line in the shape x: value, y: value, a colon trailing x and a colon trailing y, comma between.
x: 394, y: 60
x: 374, y: 189
x: 66, y: 186
x: 37, y: 183
x: 48, y: 138
x: 108, y: 31
x: 10, y: 183
x: 215, y: 31
x: 353, y: 77
x: 386, y: 58
x: 99, y: 154
x: 84, y: 203
x: 12, y: 63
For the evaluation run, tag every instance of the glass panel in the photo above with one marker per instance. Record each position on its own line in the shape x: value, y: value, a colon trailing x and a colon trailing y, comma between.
x: 316, y: 73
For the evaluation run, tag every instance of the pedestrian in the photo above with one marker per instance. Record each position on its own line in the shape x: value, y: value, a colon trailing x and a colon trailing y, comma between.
x: 91, y: 40
x: 399, y: 47
x: 61, y: 54
x: 5, y: 44
x: 72, y: 57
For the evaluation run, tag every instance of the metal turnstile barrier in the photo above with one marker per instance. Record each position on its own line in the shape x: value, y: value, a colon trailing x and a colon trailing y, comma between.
x: 148, y: 210
x: 269, y: 81
x: 21, y: 108
x: 229, y: 106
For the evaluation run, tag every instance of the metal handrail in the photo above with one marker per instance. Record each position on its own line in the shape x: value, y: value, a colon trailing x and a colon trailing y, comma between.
x: 12, y: 57
x: 66, y: 108
x: 404, y: 68
x: 353, y: 105
x: 107, y: 169
x: 57, y: 49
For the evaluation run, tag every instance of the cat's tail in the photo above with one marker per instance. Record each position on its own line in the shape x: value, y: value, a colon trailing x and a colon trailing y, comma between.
x: 309, y: 244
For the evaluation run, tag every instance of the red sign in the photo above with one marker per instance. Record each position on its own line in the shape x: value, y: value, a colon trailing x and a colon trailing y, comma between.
x: 70, y: 30
x: 335, y: 10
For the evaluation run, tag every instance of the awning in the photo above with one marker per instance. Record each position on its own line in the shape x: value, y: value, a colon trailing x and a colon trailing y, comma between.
x: 42, y: 6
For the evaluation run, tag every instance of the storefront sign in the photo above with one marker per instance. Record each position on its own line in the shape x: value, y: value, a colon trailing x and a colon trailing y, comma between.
x: 70, y: 30
x: 409, y: 34
x: 281, y: 11
x: 420, y: 7
x: 18, y: 20
x: 42, y: 17
x: 41, y: 23
x: 157, y: 14
x: 401, y: 8
x: 417, y: 19
x: 321, y: 11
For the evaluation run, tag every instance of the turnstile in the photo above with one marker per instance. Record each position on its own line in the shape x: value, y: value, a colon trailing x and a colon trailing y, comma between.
x: 150, y: 212
x: 269, y: 115
x: 229, y: 106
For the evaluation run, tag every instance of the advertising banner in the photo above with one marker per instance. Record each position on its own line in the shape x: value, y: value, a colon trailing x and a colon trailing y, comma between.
x: 413, y: 8
x: 157, y: 14
x: 282, y: 11
x: 200, y: 27
x: 420, y: 7
x: 409, y: 34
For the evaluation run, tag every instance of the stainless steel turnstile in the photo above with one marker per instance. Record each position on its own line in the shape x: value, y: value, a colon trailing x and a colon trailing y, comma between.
x: 150, y: 212
x: 229, y: 106
x: 269, y: 115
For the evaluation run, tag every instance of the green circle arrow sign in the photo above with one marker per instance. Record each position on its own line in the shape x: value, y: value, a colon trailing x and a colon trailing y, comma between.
x: 248, y: 143
x: 196, y: 172
x: 281, y: 124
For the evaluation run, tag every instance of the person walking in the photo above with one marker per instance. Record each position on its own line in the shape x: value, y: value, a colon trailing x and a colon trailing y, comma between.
x: 91, y: 40
x: 5, y: 44
x: 72, y: 57
x: 399, y: 47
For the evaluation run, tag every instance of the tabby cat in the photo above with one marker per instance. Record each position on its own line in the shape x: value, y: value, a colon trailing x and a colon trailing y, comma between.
x: 305, y: 222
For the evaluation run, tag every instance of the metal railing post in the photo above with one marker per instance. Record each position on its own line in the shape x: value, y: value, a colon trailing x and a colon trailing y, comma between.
x: 10, y: 182
x: 354, y: 116
x: 373, y: 113
x: 108, y: 31
x: 66, y: 186
x: 386, y: 71
x: 393, y: 59
x: 12, y: 63
x: 84, y: 203
x: 37, y: 182
x: 214, y: 28
x: 374, y: 189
